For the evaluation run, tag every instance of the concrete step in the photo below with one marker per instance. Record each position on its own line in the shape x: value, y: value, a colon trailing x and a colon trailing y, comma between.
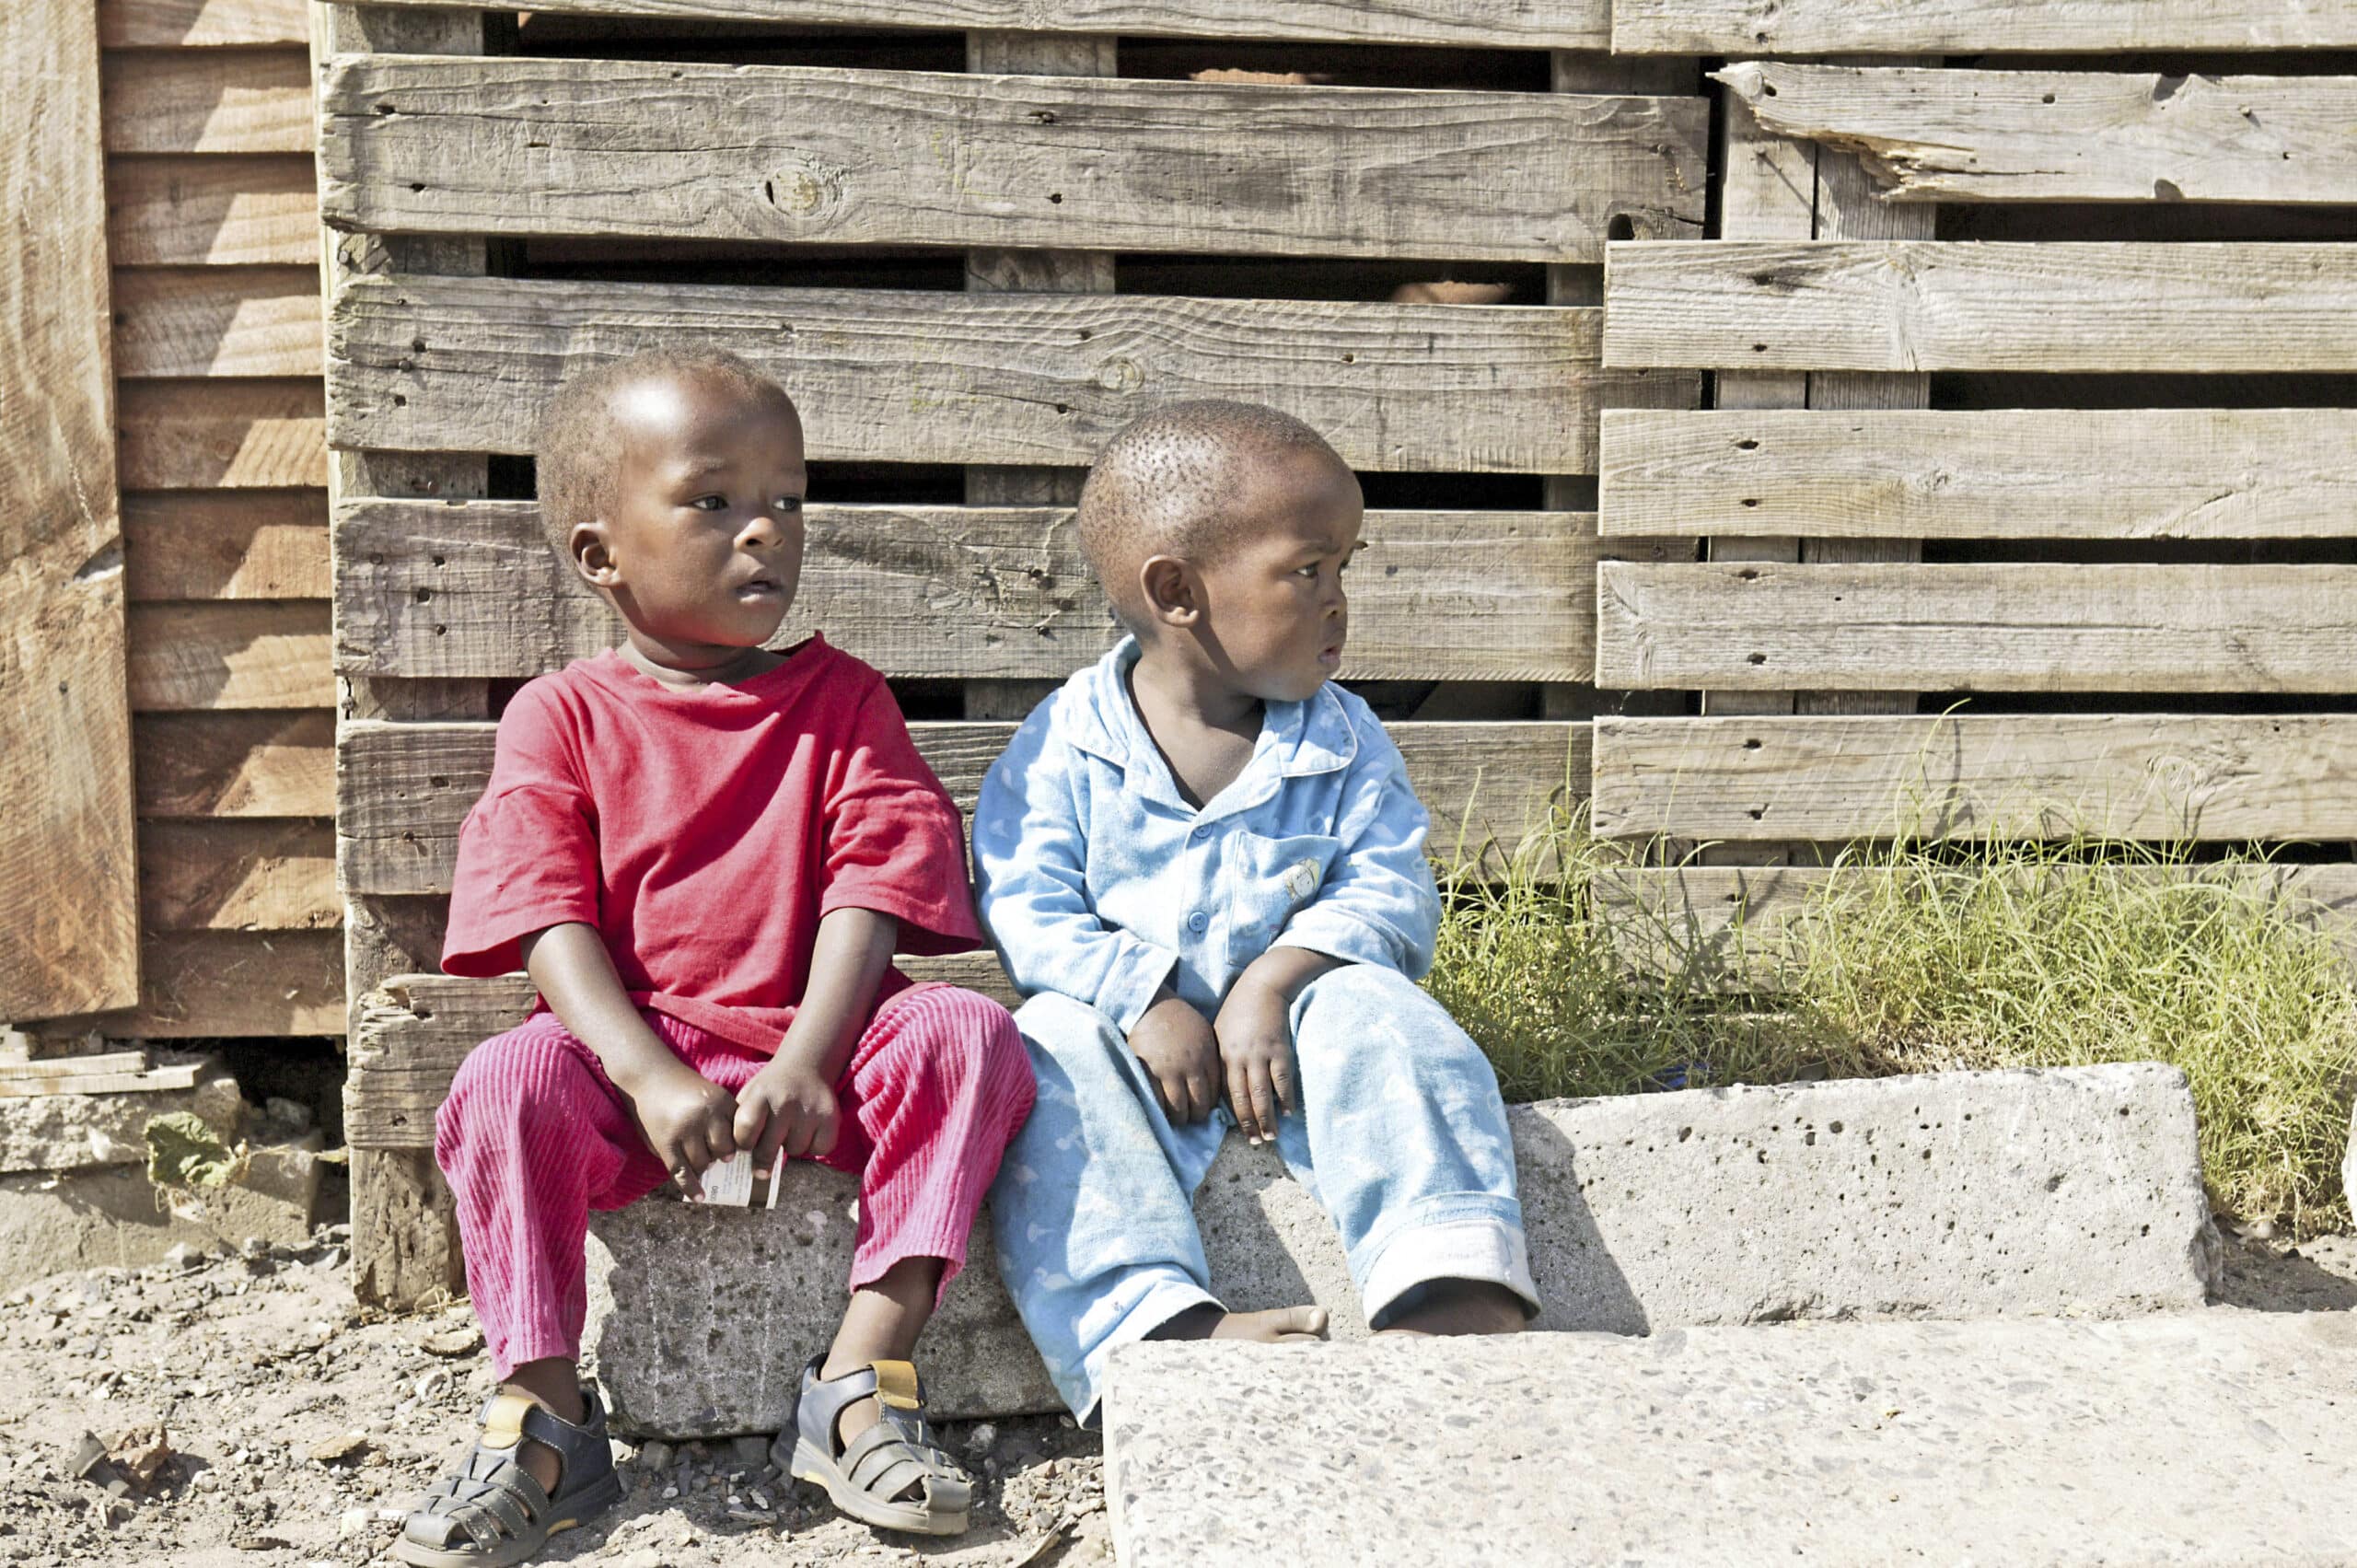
x: 1950, y: 1195
x: 2206, y: 1437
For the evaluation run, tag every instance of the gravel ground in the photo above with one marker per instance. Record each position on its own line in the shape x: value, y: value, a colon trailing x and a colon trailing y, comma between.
x: 297, y: 1427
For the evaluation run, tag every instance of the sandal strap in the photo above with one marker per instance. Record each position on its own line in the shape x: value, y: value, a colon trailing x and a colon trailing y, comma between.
x: 489, y: 1496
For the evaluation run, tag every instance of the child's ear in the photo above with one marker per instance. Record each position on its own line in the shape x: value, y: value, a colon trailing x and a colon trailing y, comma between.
x: 1172, y: 594
x: 593, y: 554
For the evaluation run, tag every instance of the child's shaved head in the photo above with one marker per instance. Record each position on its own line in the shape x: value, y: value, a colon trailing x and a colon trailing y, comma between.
x: 580, y: 443
x: 1168, y: 481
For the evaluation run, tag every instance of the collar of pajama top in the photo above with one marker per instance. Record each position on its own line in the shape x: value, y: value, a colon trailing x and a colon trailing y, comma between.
x: 1097, y: 880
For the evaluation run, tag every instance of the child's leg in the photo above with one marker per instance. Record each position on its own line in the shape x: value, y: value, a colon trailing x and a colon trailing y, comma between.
x: 530, y: 1139
x: 935, y: 1090
x: 1403, y: 1139
x: 1095, y: 1226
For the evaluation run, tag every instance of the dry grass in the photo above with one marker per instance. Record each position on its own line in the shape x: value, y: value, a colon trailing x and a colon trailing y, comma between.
x: 1921, y: 957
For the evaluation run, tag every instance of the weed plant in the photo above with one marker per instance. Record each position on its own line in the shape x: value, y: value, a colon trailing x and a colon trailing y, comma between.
x: 1921, y: 956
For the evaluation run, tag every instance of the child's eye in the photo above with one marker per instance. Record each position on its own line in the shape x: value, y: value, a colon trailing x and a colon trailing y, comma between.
x: 709, y: 502
x: 789, y: 503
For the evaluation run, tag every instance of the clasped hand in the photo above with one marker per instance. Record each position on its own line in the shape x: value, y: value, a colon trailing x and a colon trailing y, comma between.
x: 693, y: 1124
x: 1247, y: 1050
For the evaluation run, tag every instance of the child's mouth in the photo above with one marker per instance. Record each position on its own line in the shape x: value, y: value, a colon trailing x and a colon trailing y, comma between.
x: 759, y: 587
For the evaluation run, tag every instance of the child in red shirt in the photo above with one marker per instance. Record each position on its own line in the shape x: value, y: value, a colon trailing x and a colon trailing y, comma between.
x: 705, y: 855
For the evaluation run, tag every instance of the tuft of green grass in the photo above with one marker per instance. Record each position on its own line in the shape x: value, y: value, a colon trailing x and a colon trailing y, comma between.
x: 1922, y: 956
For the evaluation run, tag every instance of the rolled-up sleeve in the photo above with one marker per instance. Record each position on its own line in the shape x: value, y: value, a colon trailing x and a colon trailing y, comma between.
x: 1377, y: 904
x: 1030, y: 854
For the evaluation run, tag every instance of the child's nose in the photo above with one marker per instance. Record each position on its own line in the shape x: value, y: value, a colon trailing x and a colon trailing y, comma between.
x: 761, y: 531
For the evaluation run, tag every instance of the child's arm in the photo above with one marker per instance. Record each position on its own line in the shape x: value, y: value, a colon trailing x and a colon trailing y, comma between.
x: 1030, y: 867
x: 686, y: 1121
x: 789, y: 1107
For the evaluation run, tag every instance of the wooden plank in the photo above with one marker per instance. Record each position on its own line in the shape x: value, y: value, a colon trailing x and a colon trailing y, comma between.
x: 403, y: 788
x: 2164, y: 776
x: 1978, y: 628
x: 1501, y: 24
x: 563, y: 146
x: 1922, y: 304
x: 198, y: 24
x: 239, y: 875
x: 2029, y: 473
x: 208, y: 985
x: 1976, y: 27
x: 174, y: 321
x: 51, y: 1071
x: 232, y: 434
x: 203, y: 210
x: 903, y: 376
x: 200, y: 101
x: 230, y: 655
x: 172, y: 1076
x: 226, y: 544
x: 235, y: 764
x: 69, y: 942
x: 2070, y: 136
x: 1727, y: 925
x: 427, y: 588
x: 412, y: 1033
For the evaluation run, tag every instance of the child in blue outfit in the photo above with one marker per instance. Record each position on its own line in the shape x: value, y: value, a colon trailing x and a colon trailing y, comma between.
x: 1205, y: 865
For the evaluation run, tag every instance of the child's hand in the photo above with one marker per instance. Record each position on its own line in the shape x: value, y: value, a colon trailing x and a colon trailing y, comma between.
x: 1254, y: 1033
x: 688, y: 1122
x: 788, y: 1107
x: 1181, y: 1056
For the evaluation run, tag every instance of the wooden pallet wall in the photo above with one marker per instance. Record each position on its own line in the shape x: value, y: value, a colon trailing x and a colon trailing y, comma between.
x: 2105, y: 615
x: 1117, y: 235
x: 212, y: 231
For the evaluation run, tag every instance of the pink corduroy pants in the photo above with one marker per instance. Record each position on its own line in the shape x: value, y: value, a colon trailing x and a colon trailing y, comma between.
x: 533, y: 1136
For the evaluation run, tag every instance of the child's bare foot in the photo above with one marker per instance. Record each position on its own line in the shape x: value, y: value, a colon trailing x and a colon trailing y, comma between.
x: 1461, y: 1306
x: 1275, y: 1326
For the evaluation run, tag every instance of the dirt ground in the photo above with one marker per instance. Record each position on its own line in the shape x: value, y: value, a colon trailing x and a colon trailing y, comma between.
x: 299, y: 1427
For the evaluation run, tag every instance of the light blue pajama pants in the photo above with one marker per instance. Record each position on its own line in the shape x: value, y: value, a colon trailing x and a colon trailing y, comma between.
x: 1401, y: 1136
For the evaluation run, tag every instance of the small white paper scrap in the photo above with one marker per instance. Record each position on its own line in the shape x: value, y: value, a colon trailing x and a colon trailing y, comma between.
x: 777, y: 1174
x: 730, y: 1182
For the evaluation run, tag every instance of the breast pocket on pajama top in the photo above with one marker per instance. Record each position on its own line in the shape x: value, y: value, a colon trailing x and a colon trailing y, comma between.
x: 1274, y: 878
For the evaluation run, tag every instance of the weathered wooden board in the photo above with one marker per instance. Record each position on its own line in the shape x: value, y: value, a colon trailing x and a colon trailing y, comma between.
x: 2165, y: 776
x: 1724, y: 925
x: 2070, y: 136
x: 1978, y: 628
x: 2031, y: 473
x: 230, y: 655
x: 563, y: 146
x: 69, y: 941
x: 1515, y: 24
x: 235, y: 764
x: 412, y: 1034
x: 201, y: 209
x: 226, y: 544
x: 239, y: 875
x: 430, y: 589
x: 1976, y: 27
x: 212, y: 320
x: 1924, y: 305
x: 456, y: 365
x: 202, y: 102
x: 404, y: 789
x: 198, y: 24
x: 222, y: 435
x: 227, y: 983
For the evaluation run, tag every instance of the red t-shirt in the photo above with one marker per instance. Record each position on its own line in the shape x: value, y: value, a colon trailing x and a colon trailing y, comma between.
x: 705, y: 830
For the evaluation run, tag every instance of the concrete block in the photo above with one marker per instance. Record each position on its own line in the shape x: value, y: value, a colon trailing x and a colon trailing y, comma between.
x: 49, y: 1132
x: 2215, y: 1437
x: 113, y: 1217
x: 1949, y: 1195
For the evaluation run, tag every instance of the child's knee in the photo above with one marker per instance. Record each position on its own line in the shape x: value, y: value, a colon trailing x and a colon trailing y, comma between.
x: 511, y: 1081
x: 970, y: 1042
x: 1363, y: 1012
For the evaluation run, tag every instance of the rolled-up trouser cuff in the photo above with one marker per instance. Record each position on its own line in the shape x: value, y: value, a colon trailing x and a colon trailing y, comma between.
x: 1486, y: 1246
x: 1084, y: 1387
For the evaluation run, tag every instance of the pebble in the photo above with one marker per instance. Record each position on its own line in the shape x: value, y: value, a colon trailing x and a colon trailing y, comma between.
x: 983, y: 1438
x: 749, y: 1450
x: 656, y: 1456
x: 669, y: 1492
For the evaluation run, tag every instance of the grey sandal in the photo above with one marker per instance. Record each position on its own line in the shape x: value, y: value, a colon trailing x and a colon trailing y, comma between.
x: 488, y: 1511
x: 866, y: 1477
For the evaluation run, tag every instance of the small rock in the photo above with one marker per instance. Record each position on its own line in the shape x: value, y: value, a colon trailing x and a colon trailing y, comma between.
x: 253, y: 1247
x: 433, y: 1386
x: 462, y: 1340
x: 982, y: 1439
x: 181, y: 1257
x: 656, y: 1456
x: 343, y: 1445
x: 287, y: 1112
x: 330, y: 1261
x: 669, y: 1492
x: 753, y: 1515
x: 85, y: 1456
x: 353, y: 1522
x: 749, y: 1450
